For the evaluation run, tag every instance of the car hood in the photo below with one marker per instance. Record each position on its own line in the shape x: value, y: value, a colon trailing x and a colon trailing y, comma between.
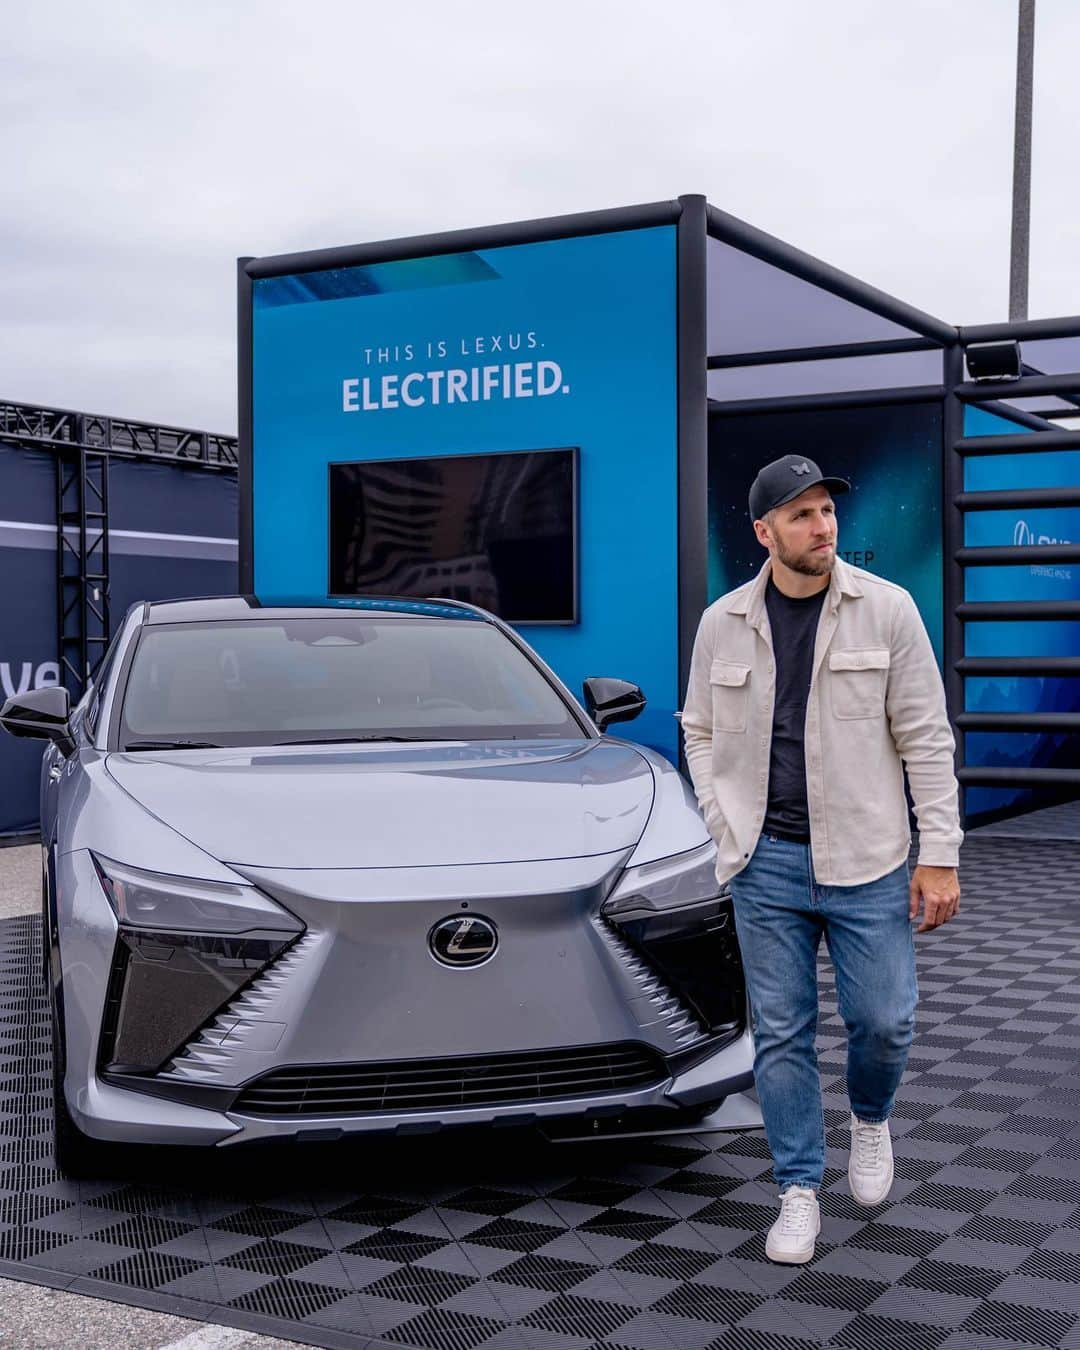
x: 396, y: 805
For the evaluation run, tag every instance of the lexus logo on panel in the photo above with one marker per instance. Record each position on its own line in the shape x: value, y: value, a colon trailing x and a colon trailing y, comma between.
x: 463, y: 940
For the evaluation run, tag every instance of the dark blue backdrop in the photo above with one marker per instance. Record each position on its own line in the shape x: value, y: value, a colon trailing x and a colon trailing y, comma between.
x: 172, y: 533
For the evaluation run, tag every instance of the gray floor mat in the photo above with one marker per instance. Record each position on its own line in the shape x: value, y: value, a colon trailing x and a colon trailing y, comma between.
x: 644, y: 1244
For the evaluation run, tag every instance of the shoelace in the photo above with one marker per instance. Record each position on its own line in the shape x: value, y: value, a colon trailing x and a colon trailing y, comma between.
x: 868, y: 1143
x: 795, y: 1211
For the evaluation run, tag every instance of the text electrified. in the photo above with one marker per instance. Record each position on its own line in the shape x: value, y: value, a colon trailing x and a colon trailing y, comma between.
x: 522, y: 379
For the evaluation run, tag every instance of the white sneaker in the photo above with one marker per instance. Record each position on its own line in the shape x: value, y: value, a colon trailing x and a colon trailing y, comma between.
x: 791, y: 1238
x: 870, y: 1166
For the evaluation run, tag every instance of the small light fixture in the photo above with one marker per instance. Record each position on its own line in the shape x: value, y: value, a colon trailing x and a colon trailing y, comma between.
x: 993, y: 361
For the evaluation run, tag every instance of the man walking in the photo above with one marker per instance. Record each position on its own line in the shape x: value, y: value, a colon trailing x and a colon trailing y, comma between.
x: 811, y: 689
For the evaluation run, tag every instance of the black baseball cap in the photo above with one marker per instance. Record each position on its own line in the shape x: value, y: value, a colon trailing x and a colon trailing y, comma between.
x: 784, y: 479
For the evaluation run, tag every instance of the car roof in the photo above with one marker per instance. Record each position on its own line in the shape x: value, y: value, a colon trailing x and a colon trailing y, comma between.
x: 226, y: 607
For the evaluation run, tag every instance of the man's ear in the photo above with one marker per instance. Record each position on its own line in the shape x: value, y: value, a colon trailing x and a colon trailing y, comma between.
x: 764, y: 534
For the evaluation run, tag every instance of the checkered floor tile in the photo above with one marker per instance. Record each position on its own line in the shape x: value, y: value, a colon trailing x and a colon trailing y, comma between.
x: 506, y: 1241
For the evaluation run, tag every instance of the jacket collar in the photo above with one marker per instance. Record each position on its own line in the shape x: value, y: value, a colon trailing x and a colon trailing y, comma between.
x: 750, y: 599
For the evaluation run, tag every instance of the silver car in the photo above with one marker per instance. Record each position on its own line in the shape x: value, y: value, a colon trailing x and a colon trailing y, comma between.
x: 317, y: 870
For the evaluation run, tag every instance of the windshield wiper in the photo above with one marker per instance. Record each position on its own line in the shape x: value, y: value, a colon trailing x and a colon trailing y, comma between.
x: 354, y: 740
x: 173, y: 745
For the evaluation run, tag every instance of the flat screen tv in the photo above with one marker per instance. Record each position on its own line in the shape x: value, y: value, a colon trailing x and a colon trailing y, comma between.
x: 496, y: 530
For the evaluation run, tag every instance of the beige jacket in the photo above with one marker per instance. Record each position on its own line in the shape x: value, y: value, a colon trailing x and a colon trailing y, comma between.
x: 875, y: 699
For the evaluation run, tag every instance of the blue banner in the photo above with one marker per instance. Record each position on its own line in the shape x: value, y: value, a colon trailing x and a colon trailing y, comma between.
x: 890, y: 522
x: 1028, y: 581
x: 567, y: 344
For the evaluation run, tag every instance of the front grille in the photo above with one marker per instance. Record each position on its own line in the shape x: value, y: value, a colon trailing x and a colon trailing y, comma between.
x: 442, y: 1084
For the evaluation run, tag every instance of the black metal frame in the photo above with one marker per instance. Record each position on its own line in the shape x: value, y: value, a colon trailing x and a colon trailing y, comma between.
x: 1040, y: 438
x: 83, y: 444
x: 697, y: 221
x: 82, y: 563
x: 953, y: 394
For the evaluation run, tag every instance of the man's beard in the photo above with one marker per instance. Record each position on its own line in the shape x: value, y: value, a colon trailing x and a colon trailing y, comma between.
x: 810, y: 564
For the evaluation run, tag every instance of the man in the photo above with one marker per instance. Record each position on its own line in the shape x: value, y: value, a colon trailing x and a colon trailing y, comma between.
x: 811, y: 688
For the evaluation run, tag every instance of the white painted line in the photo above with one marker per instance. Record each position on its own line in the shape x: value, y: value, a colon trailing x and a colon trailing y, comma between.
x: 211, y: 1338
x: 119, y: 534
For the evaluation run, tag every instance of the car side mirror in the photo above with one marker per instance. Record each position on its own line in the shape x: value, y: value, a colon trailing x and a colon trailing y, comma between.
x: 608, y: 700
x: 44, y: 714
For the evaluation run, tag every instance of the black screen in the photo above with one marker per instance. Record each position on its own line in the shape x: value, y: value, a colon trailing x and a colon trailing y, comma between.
x: 494, y: 530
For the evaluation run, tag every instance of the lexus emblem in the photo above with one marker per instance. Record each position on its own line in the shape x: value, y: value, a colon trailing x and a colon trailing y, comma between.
x: 463, y: 940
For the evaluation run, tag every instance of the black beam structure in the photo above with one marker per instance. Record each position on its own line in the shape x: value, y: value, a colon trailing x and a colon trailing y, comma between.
x: 1029, y: 330
x: 466, y: 241
x: 859, y: 398
x: 952, y: 539
x: 1027, y: 386
x: 1063, y: 722
x: 1019, y: 444
x: 1021, y: 416
x: 1019, y: 665
x: 838, y: 351
x: 1020, y: 777
x: 244, y: 423
x: 1028, y: 555
x: 82, y: 562
x: 25, y: 424
x: 83, y: 445
x: 1024, y: 610
x: 693, y: 429
x: 1002, y: 498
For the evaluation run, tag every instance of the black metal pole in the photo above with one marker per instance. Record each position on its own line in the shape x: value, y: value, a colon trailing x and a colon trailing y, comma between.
x: 246, y: 582
x: 1021, y: 194
x: 693, y: 514
x: 952, y: 533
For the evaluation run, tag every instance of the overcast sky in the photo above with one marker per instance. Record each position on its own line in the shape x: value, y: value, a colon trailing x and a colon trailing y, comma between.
x: 145, y: 145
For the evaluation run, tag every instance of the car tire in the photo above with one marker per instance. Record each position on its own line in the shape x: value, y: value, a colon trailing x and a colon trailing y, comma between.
x: 76, y: 1155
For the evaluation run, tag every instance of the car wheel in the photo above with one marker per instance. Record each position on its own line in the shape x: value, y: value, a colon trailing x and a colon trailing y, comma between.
x: 76, y: 1154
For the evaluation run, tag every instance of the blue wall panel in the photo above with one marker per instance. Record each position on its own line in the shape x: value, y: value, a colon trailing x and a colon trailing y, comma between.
x: 602, y: 308
x: 1042, y: 581
x: 172, y: 533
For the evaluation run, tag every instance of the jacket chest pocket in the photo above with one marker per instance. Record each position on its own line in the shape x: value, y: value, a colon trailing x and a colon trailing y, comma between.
x: 857, y: 681
x: 730, y: 683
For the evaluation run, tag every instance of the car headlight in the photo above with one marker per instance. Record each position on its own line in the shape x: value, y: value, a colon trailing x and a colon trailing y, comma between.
x: 184, y: 948
x: 669, y: 883
x: 675, y: 915
x: 159, y: 901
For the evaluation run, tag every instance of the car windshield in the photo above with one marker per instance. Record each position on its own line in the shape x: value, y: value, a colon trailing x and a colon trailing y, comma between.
x: 335, y: 678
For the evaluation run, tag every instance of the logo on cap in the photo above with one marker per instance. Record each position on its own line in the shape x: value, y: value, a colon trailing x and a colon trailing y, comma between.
x: 800, y: 468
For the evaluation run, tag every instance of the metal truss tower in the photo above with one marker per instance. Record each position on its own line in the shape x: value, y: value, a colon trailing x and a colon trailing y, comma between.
x: 83, y: 444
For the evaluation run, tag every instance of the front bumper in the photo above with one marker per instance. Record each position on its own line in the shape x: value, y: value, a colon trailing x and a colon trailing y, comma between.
x: 359, y: 988
x: 106, y: 1110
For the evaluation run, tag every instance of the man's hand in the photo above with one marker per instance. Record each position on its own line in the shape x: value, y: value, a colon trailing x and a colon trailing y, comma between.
x: 939, y: 890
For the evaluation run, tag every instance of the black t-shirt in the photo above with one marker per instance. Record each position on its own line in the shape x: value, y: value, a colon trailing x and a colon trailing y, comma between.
x: 794, y: 630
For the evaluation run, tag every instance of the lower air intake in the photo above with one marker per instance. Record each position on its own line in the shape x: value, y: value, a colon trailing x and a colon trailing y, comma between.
x: 443, y: 1084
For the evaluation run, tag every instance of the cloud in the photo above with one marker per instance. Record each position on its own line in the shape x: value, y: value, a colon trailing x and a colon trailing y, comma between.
x: 146, y: 146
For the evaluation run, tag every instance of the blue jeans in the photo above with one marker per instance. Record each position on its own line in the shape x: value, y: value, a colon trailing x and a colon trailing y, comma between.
x: 781, y: 914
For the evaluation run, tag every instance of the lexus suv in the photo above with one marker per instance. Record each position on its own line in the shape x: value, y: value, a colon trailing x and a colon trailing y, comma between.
x: 325, y: 868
